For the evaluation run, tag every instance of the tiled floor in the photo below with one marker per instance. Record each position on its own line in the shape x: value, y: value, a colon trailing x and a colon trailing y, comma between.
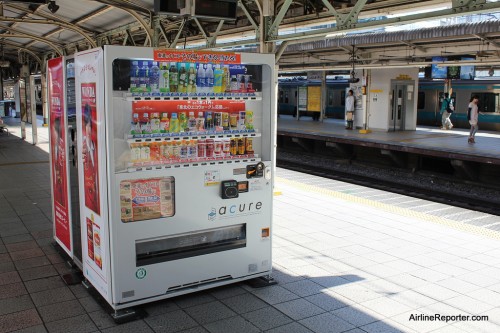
x: 345, y: 263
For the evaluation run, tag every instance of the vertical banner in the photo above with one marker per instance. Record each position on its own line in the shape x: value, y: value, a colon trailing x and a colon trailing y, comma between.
x: 90, y: 118
x: 58, y: 154
x: 90, y: 149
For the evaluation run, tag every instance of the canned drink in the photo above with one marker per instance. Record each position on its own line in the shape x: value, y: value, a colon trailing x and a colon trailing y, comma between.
x: 233, y: 147
x: 226, y: 147
x: 233, y: 121
x: 241, y: 121
x: 210, y: 148
x: 218, y: 147
x: 202, y: 148
x: 225, y: 121
x: 217, y: 120
x: 209, y: 121
x: 249, y: 120
x: 249, y: 145
x: 241, y: 146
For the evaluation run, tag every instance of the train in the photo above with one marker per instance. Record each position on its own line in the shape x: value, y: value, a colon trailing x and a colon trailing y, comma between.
x: 430, y: 97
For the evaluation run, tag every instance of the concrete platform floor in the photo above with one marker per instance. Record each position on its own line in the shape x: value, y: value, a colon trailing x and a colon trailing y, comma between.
x: 345, y: 262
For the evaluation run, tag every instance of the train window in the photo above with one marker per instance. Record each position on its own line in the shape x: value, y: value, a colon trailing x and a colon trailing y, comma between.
x: 487, y: 101
x: 280, y: 98
x: 421, y: 100
x: 342, y: 97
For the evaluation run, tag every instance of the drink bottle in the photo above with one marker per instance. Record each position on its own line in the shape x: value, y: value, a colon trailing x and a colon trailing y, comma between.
x: 154, y: 77
x: 201, y: 80
x: 173, y: 76
x: 210, y: 79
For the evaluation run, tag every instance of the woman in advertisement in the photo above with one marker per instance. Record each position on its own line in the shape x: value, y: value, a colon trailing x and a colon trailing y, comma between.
x: 90, y: 159
x: 58, y: 162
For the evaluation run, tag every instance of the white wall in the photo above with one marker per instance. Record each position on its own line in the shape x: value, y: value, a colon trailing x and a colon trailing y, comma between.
x: 378, y: 89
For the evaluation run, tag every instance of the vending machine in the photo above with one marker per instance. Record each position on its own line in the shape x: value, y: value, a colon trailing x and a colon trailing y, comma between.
x: 176, y: 158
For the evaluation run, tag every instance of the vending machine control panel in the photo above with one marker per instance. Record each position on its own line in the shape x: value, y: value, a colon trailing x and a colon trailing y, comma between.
x: 229, y: 189
x: 255, y: 170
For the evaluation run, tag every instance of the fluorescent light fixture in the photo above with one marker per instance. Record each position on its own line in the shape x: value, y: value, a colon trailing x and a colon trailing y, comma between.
x: 468, y: 63
x: 335, y: 34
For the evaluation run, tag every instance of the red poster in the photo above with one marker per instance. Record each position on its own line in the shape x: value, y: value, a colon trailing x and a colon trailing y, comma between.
x: 228, y: 58
x: 89, y: 147
x: 58, y: 152
x: 191, y: 105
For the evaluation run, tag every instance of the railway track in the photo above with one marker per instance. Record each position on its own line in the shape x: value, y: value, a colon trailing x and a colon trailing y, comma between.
x: 436, y: 188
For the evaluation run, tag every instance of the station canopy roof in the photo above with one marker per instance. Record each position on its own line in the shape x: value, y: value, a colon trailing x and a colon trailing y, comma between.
x: 304, y: 34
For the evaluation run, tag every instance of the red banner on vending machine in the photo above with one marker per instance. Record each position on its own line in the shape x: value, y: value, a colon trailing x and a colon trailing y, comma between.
x: 58, y: 153
x: 89, y: 147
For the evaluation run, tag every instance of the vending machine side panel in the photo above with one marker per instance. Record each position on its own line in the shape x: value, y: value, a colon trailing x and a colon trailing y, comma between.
x: 92, y: 162
x: 59, y: 155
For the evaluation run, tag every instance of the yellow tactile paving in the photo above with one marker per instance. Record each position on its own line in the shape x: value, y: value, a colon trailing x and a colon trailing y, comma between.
x: 393, y: 209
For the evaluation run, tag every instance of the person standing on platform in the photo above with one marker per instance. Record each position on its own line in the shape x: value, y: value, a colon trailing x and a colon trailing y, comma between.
x: 473, y: 116
x: 349, y: 109
x: 446, y: 111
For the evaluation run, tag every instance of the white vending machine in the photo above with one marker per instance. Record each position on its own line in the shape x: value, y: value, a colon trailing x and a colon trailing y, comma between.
x: 176, y: 158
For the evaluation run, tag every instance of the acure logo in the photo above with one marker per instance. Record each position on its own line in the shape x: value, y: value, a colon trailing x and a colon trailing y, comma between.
x: 234, y: 210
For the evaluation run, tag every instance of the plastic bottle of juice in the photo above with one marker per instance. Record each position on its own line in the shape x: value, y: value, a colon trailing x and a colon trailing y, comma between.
x: 174, y: 124
x: 145, y: 152
x: 210, y: 79
x: 200, y: 122
x: 154, y: 77
x: 193, y: 148
x: 164, y: 123
x: 182, y: 88
x: 154, y: 152
x: 183, y: 123
x: 176, y: 150
x: 155, y: 123
x: 173, y: 76
x: 146, y: 125
x: 163, y: 82
x: 192, y: 122
x: 136, y: 124
x: 191, y: 87
x: 135, y: 152
x: 201, y: 80
x: 218, y: 76
x: 144, y: 77
x: 134, y: 76
x: 183, y: 150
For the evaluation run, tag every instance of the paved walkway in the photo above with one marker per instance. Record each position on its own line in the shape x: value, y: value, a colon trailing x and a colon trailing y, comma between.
x: 345, y: 262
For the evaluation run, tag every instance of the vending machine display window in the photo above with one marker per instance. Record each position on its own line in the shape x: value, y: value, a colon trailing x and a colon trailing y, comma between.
x: 145, y: 199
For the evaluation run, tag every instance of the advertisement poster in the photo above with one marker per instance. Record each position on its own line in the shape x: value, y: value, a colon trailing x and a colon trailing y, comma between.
x: 90, y: 149
x: 58, y: 158
x: 146, y: 199
x: 302, y: 99
x: 314, y: 99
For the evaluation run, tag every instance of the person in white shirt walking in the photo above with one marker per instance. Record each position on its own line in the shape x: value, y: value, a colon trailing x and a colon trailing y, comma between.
x: 473, y: 117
